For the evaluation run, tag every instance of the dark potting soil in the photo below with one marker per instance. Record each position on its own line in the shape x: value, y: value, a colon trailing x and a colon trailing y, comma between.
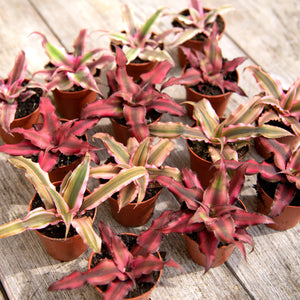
x: 58, y: 230
x: 201, y: 36
x: 201, y: 149
x: 213, y: 90
x: 141, y: 287
x: 270, y: 188
x: 151, y: 116
x: 63, y: 160
x: 25, y: 108
x: 281, y: 125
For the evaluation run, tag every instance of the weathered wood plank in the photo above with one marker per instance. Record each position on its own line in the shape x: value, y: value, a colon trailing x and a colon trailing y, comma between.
x: 18, y: 19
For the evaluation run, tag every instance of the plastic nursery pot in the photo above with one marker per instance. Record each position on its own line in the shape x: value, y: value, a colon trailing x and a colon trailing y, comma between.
x: 289, y: 217
x: 144, y: 296
x: 70, y: 104
x: 218, y: 102
x: 122, y: 132
x: 25, y: 122
x: 204, y: 168
x: 62, y: 249
x: 222, y: 253
x: 197, y: 44
x: 132, y: 214
x: 137, y: 69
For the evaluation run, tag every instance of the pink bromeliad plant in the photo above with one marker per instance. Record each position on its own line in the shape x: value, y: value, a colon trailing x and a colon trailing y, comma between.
x: 147, y: 154
x: 281, y: 106
x: 69, y: 203
x: 210, y: 214
x: 52, y: 138
x: 282, y: 169
x: 121, y: 270
x: 224, y: 137
x: 76, y: 68
x: 11, y: 88
x: 196, y: 20
x: 208, y: 67
x: 133, y: 100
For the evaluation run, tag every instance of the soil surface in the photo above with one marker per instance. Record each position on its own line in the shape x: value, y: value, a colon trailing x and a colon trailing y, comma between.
x: 201, y: 149
x: 201, y: 36
x: 25, y: 108
x: 58, y: 230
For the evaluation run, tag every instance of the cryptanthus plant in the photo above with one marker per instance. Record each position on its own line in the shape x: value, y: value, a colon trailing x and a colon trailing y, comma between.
x: 139, y: 41
x: 282, y: 105
x: 223, y: 136
x: 282, y: 168
x: 209, y: 213
x: 196, y: 20
x: 123, y: 269
x: 11, y: 88
x: 69, y: 203
x: 147, y: 154
x: 52, y: 138
x: 133, y: 100
x: 208, y: 67
x: 73, y: 69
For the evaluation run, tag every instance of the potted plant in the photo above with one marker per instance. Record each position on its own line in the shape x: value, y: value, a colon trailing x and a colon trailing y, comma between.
x: 58, y: 145
x: 196, y: 24
x: 123, y: 270
x: 282, y: 107
x: 211, y: 219
x: 212, y: 138
x: 209, y: 75
x: 67, y: 210
x: 71, y: 75
x: 143, y: 48
x: 133, y: 205
x: 19, y: 101
x: 278, y: 183
x: 131, y: 105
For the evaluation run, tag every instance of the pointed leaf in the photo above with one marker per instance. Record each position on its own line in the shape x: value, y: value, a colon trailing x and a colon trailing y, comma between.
x: 84, y: 228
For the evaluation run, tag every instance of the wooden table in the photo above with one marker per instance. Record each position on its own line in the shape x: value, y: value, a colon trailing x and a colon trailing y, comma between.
x: 267, y: 32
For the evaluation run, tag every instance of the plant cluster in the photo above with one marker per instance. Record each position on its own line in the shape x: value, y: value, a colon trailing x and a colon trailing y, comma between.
x: 66, y: 70
x: 209, y: 214
x: 124, y: 267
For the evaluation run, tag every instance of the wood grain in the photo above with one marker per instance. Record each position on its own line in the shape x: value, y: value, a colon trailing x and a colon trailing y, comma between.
x: 266, y: 32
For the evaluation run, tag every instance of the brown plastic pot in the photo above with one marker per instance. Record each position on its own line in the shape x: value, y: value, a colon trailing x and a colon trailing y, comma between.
x: 137, y: 69
x: 146, y: 295
x: 222, y: 253
x: 62, y: 249
x: 289, y: 217
x: 25, y: 122
x: 202, y: 167
x: 218, y: 102
x: 70, y: 104
x: 132, y: 214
